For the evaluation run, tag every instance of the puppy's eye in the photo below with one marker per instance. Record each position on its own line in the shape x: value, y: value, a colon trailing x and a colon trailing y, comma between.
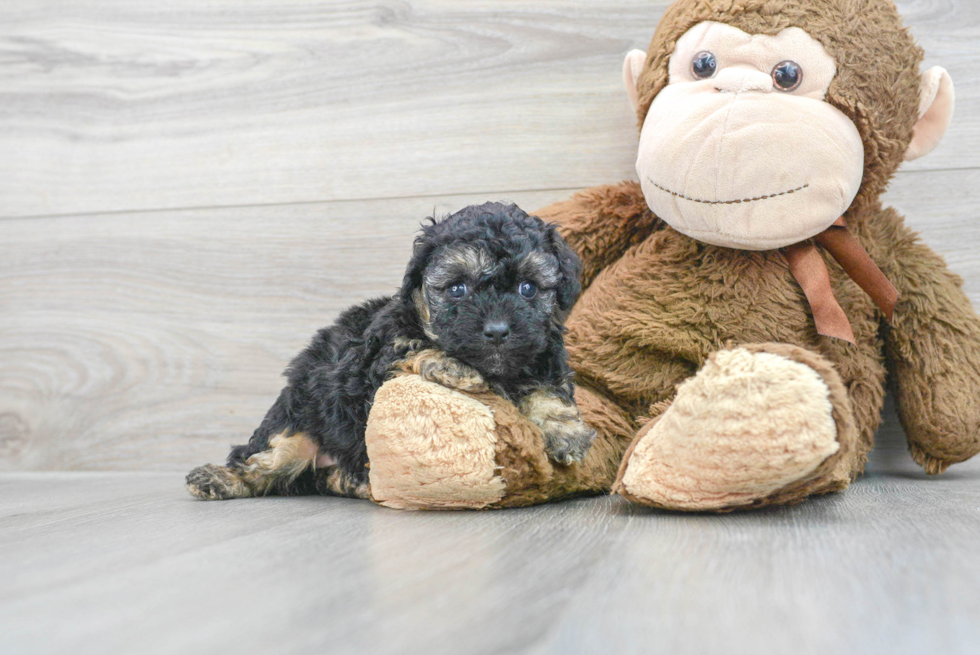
x: 527, y: 289
x: 457, y: 290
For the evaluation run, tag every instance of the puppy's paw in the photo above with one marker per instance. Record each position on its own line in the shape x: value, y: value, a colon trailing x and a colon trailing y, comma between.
x: 567, y: 437
x: 436, y: 366
x: 212, y: 482
x: 567, y: 442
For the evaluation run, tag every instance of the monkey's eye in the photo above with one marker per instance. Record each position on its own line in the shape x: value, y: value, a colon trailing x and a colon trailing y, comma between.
x: 704, y: 65
x: 458, y: 290
x: 787, y: 76
x: 527, y: 289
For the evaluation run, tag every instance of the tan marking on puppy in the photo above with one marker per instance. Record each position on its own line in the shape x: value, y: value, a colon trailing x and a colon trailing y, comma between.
x: 540, y: 267
x: 436, y: 366
x: 287, y: 457
x: 567, y: 437
x: 476, y: 260
x: 339, y: 483
x: 466, y: 262
x: 425, y: 314
x: 403, y: 343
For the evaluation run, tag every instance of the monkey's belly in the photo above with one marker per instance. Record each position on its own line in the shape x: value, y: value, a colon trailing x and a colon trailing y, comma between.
x: 651, y: 319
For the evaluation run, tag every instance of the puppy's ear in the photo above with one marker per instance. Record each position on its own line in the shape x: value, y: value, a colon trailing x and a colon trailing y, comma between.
x: 415, y: 271
x: 570, y: 268
x: 421, y: 252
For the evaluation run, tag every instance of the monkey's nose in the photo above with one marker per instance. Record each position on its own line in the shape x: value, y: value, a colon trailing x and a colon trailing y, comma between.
x: 496, y: 331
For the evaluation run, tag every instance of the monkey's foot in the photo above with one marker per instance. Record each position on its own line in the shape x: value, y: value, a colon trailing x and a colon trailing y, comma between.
x: 757, y: 425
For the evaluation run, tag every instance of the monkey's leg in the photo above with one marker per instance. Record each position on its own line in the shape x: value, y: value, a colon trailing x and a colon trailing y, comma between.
x: 435, y: 448
x: 566, y: 436
x: 757, y: 425
x: 267, y: 471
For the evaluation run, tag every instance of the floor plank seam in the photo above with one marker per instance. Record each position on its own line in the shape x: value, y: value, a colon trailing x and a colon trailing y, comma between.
x: 297, y: 203
x: 395, y: 198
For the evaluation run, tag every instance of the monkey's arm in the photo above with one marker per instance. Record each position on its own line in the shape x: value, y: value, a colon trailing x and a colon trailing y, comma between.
x: 601, y: 223
x: 933, y: 350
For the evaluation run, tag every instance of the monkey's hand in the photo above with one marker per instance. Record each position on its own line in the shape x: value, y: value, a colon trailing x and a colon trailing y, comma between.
x: 436, y: 366
x: 567, y: 437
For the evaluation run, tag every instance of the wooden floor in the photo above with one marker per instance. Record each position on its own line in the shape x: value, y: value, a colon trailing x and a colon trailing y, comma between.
x: 107, y: 563
x: 189, y: 189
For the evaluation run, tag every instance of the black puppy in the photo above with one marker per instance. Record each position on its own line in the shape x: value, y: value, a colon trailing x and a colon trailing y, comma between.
x: 481, y: 307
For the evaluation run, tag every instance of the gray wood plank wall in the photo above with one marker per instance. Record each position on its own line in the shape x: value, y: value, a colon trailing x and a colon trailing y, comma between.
x: 188, y: 190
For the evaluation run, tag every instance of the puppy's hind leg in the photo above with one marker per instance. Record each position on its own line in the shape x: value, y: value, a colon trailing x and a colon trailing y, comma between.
x: 268, y: 471
x: 335, y: 481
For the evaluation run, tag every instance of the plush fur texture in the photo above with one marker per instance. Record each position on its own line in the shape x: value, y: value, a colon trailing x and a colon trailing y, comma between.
x: 447, y: 438
x: 436, y: 448
x: 480, y: 309
x: 657, y: 310
x: 659, y: 307
x: 753, y: 421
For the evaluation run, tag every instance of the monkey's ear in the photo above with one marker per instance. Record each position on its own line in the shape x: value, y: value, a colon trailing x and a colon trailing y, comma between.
x: 937, y: 98
x: 632, y: 67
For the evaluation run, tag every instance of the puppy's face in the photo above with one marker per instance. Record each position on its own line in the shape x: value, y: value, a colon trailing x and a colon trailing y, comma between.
x: 494, y: 288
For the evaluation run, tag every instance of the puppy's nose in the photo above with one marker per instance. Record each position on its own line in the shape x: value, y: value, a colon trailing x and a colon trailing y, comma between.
x: 496, y: 331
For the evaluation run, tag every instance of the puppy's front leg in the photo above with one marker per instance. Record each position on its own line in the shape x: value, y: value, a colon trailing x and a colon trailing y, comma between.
x: 436, y: 366
x: 566, y: 436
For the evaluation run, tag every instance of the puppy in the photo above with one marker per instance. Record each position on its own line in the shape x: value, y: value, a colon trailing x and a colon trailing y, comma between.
x: 481, y: 308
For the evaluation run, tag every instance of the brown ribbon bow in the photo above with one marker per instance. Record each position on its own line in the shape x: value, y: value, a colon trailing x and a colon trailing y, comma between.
x: 808, y: 267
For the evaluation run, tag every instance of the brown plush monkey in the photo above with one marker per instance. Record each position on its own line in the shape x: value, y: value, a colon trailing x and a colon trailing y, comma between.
x: 745, y: 301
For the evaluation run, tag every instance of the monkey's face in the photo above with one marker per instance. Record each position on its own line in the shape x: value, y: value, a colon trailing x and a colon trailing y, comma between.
x: 492, y: 308
x: 741, y: 149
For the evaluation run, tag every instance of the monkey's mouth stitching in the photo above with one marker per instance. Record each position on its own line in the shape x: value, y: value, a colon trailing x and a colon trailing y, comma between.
x: 728, y: 202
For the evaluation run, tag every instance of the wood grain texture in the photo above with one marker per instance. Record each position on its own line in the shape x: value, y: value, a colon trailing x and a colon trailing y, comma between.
x: 121, y: 563
x: 120, y: 105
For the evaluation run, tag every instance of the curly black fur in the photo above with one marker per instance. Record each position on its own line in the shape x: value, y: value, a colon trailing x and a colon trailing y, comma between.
x: 491, y: 249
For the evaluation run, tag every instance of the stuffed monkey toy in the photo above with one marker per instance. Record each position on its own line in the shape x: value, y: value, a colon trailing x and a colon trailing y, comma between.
x: 746, y: 300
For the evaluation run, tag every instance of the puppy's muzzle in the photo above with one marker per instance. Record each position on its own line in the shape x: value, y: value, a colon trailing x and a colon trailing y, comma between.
x: 496, y: 332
